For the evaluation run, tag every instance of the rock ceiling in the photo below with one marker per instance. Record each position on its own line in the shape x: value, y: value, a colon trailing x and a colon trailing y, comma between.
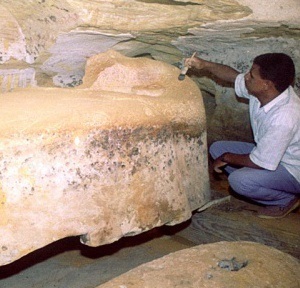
x: 57, y: 37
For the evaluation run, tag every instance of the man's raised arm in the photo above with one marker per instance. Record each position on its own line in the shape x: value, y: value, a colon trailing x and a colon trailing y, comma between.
x: 223, y: 72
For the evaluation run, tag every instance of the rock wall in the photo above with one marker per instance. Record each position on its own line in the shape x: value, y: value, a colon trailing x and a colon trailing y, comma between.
x: 55, y: 38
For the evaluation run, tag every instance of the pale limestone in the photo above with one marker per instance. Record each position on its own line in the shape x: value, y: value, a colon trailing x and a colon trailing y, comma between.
x: 199, y: 267
x: 276, y: 11
x: 101, y: 161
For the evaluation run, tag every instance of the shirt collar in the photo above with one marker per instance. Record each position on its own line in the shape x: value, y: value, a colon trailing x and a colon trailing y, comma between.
x: 284, y: 96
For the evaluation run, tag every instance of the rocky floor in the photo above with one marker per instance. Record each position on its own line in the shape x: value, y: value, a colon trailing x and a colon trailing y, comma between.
x: 67, y: 263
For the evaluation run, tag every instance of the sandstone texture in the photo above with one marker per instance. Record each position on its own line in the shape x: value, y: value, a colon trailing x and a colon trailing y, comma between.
x: 217, y: 265
x: 119, y: 156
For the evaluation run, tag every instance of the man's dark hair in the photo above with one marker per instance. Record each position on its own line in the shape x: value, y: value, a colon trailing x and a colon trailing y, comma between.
x: 278, y: 68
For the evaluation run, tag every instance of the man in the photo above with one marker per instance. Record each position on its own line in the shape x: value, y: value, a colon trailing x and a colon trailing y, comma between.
x: 267, y: 171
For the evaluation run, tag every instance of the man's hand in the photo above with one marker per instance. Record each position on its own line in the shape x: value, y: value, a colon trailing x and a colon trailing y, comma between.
x: 237, y: 160
x: 195, y: 62
x: 223, y: 72
x: 218, y: 164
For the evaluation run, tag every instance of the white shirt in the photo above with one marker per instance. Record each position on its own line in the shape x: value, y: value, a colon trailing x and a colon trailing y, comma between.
x: 276, y: 129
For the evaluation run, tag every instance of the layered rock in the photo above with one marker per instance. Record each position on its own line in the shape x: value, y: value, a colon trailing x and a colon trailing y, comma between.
x: 55, y: 38
x: 121, y: 154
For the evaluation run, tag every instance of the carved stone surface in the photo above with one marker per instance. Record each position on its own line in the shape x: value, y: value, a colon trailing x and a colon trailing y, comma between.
x: 122, y: 154
x: 222, y: 264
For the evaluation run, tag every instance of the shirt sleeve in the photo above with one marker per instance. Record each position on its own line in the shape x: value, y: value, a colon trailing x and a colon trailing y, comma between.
x: 240, y: 86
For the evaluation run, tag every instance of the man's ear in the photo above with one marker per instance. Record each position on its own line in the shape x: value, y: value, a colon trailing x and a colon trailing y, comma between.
x: 269, y: 85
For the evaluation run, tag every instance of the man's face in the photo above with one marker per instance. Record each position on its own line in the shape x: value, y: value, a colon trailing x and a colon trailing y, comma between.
x: 255, y: 85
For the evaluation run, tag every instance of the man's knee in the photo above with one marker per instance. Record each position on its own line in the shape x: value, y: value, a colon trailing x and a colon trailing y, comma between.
x: 215, y: 149
x: 241, y: 183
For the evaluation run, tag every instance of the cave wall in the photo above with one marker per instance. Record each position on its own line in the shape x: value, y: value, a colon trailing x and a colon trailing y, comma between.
x: 47, y: 42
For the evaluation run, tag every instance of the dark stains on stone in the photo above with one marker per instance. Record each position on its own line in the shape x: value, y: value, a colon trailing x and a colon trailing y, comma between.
x: 134, y: 151
x: 127, y: 145
x: 144, y: 55
x: 200, y: 143
x: 114, y: 154
x: 133, y: 170
x: 232, y: 264
x: 53, y: 18
x: 117, y: 138
x: 281, y: 31
x: 169, y: 2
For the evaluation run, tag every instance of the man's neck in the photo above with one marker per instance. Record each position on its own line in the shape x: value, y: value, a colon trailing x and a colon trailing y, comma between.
x: 268, y: 97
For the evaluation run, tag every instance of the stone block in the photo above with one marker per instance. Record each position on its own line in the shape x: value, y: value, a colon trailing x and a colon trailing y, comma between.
x: 121, y: 154
x: 216, y: 265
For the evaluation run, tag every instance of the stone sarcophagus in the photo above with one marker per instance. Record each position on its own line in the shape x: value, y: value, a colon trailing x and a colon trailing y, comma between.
x: 121, y: 154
